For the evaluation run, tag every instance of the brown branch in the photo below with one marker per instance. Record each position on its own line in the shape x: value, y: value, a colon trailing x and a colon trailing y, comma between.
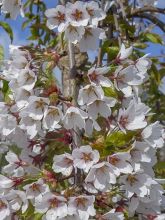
x: 147, y: 9
x: 151, y: 18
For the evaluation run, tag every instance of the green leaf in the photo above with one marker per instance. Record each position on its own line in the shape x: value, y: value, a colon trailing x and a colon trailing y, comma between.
x: 6, y: 91
x: 8, y: 29
x: 110, y: 92
x: 5, y: 87
x: 160, y: 165
x: 162, y: 72
x: 1, y: 53
x: 25, y: 24
x: 118, y: 138
x: 154, y: 38
x: 140, y: 45
x: 38, y: 216
x: 112, y: 52
x: 126, y: 26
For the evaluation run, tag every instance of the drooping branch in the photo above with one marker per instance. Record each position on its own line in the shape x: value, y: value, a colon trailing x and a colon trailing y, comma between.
x: 151, y: 18
x: 147, y: 9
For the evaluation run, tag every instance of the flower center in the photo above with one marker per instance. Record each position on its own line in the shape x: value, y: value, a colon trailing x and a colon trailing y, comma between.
x: 132, y: 179
x: 60, y: 17
x: 81, y: 202
x: 53, y: 112
x: 120, y: 78
x: 77, y: 15
x: 54, y: 203
x: 113, y: 160
x: 93, y: 76
x: 88, y: 32
x: 87, y: 157
x: 21, y: 163
x: 68, y: 161
x: 2, y: 205
x: 40, y: 104
x: 35, y: 187
x: 123, y: 121
x: 151, y: 217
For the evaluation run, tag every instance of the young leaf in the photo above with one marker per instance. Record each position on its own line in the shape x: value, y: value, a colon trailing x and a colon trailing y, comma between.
x: 8, y: 29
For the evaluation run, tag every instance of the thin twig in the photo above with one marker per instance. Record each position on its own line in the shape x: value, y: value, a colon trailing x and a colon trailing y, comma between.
x: 136, y: 11
x: 117, y: 28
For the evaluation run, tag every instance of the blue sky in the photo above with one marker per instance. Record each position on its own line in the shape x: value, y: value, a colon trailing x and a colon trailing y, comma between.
x: 21, y: 35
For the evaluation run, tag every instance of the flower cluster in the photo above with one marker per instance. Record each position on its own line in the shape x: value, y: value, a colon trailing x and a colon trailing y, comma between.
x: 90, y: 160
x: 30, y: 116
x: 79, y: 21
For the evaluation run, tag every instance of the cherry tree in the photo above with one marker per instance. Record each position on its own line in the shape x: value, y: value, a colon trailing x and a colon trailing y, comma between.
x: 85, y: 146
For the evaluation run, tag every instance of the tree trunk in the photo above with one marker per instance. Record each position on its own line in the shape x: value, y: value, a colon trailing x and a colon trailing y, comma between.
x: 70, y: 65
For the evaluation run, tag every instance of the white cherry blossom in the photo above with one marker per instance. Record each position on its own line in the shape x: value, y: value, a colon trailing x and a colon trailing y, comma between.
x: 16, y: 166
x: 8, y: 124
x: 139, y: 152
x: 126, y: 78
x: 6, y: 183
x: 96, y: 75
x: 52, y: 168
x: 74, y: 33
x: 56, y: 18
x: 35, y: 189
x: 53, y: 206
x: 27, y: 79
x: 84, y: 157
x: 137, y: 183
x: 160, y: 217
x: 13, y: 7
x: 63, y: 164
x: 83, y: 206
x: 153, y: 135
x: 31, y: 126
x: 95, y: 12
x: 143, y: 64
x: 21, y: 97
x: 19, y: 58
x: 121, y: 161
x: 74, y: 118
x: 15, y: 139
x: 52, y: 117
x: 76, y: 14
x: 130, y: 119
x: 89, y: 94
x: 90, y: 125
x: 113, y: 216
x: 4, y: 208
x: 102, y: 175
x: 17, y: 200
x: 70, y: 217
x: 101, y: 107
x: 89, y: 40
x: 124, y: 53
x: 37, y: 107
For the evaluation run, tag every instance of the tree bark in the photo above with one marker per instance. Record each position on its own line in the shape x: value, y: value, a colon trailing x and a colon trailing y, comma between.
x: 70, y: 66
